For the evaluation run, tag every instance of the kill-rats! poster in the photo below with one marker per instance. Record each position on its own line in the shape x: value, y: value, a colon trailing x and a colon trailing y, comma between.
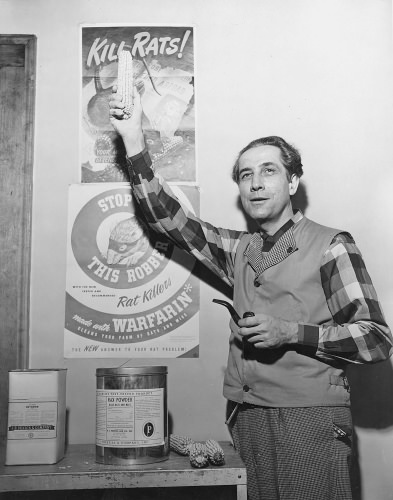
x: 163, y: 68
x: 129, y: 292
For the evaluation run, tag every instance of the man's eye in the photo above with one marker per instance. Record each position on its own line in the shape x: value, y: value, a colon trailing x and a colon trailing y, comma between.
x: 245, y: 175
x: 269, y: 170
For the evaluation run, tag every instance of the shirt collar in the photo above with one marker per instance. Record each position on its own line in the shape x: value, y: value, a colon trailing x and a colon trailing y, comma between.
x: 270, y: 240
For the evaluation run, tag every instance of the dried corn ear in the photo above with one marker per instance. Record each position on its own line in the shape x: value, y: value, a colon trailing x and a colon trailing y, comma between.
x: 180, y: 444
x: 125, y: 81
x: 198, y: 455
x: 214, y: 452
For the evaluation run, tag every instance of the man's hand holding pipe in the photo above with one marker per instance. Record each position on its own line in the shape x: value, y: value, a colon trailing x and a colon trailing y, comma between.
x: 267, y: 332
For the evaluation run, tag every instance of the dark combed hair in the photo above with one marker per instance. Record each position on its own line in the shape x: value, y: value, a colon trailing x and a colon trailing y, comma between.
x: 290, y: 155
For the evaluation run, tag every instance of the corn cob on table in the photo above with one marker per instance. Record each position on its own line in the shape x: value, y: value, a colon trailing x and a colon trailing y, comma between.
x: 78, y: 470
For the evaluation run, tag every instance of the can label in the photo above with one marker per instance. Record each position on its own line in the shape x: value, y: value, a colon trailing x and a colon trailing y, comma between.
x: 130, y: 418
x: 32, y: 420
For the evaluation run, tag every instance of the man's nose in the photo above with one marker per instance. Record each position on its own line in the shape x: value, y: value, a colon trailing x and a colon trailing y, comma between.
x: 257, y: 183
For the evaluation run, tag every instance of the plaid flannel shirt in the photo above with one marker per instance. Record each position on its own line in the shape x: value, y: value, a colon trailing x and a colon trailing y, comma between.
x: 360, y: 333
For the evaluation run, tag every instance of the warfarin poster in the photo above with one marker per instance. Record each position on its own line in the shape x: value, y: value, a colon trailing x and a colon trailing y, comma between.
x: 129, y: 292
x: 163, y: 70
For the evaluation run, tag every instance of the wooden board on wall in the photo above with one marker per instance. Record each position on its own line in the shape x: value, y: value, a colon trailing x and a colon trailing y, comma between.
x: 17, y: 94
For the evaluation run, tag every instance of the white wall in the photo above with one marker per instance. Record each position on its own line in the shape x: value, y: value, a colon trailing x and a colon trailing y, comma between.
x: 317, y: 72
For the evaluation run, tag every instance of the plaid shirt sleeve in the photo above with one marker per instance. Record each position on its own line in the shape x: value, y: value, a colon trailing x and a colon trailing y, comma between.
x: 359, y: 333
x: 214, y: 247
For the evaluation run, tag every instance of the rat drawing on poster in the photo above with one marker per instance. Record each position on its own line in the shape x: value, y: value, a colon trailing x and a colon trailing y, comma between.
x: 163, y: 70
x: 129, y: 291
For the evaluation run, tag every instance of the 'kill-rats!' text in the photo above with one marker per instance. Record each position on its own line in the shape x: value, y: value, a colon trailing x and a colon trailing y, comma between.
x: 144, y: 44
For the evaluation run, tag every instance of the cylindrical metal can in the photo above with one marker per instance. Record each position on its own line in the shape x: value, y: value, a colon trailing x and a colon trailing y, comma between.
x: 131, y: 415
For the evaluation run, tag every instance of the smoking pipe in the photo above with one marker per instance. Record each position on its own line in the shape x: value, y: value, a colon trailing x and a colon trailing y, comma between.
x: 235, y: 316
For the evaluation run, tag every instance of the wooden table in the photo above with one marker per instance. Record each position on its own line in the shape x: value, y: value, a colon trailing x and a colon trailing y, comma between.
x: 78, y: 470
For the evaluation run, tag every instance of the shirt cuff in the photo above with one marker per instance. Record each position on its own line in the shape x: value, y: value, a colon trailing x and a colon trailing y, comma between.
x: 139, y: 163
x: 308, y: 335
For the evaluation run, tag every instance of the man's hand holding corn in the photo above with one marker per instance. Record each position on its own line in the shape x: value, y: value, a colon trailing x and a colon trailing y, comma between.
x: 130, y: 128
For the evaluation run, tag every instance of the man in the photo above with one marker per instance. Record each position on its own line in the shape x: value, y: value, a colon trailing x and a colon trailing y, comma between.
x: 315, y: 310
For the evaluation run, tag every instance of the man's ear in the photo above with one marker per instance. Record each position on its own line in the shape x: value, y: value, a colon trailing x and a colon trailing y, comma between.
x: 293, y: 184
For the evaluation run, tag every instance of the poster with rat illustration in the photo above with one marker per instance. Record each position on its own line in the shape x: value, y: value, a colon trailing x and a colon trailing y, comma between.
x: 129, y: 291
x: 163, y: 72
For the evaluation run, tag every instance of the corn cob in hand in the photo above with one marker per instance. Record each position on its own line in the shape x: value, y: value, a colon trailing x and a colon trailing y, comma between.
x: 180, y: 444
x: 125, y: 82
x: 214, y: 452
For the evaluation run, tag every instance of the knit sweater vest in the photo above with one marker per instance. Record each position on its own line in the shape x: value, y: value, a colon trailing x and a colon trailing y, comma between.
x: 289, y: 376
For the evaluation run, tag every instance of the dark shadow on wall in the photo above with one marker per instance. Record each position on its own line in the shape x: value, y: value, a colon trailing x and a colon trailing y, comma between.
x: 300, y: 199
x: 205, y: 275
x: 371, y: 395
x: 371, y: 405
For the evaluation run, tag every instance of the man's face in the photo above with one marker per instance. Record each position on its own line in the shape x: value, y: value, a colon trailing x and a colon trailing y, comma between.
x: 264, y: 187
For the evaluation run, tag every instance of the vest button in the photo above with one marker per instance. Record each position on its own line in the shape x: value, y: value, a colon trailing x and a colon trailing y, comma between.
x: 289, y: 249
x: 256, y: 283
x: 246, y: 388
